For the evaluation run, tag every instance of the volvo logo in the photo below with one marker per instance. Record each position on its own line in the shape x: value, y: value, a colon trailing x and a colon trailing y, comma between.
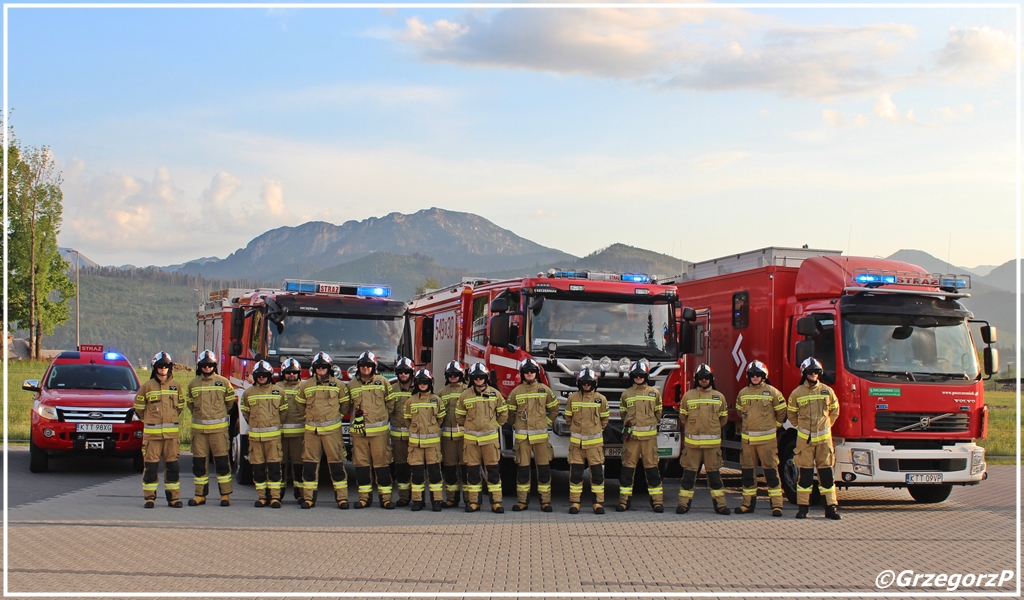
x: 95, y: 415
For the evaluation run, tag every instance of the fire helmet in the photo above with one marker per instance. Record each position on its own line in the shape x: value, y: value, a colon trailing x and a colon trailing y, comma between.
x: 528, y: 366
x: 586, y: 377
x: 404, y: 365
x: 757, y: 368
x: 367, y: 359
x: 424, y: 376
x: 290, y: 365
x: 454, y: 369
x: 207, y: 357
x: 262, y: 369
x: 321, y: 359
x: 162, y: 359
x: 477, y: 371
x: 703, y: 371
x: 810, y: 365
x: 640, y: 369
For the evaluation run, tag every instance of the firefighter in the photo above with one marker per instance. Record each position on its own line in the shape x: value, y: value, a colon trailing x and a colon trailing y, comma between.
x: 401, y: 390
x: 372, y: 406
x: 481, y: 411
x: 263, y: 403
x: 293, y: 425
x: 424, y: 413
x: 587, y: 413
x: 535, y: 409
x: 326, y: 400
x: 813, y: 409
x: 451, y: 433
x: 762, y: 410
x: 640, y: 406
x: 158, y: 404
x: 210, y: 398
x: 703, y: 411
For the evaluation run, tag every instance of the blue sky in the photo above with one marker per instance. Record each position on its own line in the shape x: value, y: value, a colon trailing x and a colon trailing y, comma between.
x: 695, y: 132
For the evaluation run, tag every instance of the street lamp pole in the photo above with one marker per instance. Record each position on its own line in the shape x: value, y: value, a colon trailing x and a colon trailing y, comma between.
x: 78, y: 294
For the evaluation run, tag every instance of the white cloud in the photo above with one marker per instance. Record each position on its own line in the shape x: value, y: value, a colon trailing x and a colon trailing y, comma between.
x: 540, y: 213
x: 977, y: 52
x: 764, y: 112
x: 214, y: 203
x: 885, y: 108
x: 833, y: 118
x: 912, y: 118
x: 273, y: 197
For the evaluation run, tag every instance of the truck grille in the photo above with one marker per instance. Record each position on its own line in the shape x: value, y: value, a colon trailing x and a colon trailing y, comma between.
x: 945, y: 465
x: 77, y: 414
x: 891, y: 421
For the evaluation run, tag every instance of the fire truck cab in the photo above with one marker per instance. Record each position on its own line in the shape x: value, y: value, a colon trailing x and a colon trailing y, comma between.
x: 296, y: 321
x: 565, y: 320
x: 895, y: 344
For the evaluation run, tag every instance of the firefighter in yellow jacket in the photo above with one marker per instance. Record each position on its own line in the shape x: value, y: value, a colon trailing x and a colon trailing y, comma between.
x: 640, y: 406
x: 587, y: 413
x: 158, y: 403
x: 481, y: 411
x: 372, y: 405
x: 210, y: 397
x: 327, y: 401
x: 262, y: 405
x: 813, y: 410
x: 424, y: 413
x: 451, y: 433
x: 293, y: 426
x: 703, y: 411
x: 535, y: 408
x: 401, y: 390
x: 762, y: 410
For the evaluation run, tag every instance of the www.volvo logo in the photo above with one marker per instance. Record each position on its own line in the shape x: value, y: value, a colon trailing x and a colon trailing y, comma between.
x: 95, y: 415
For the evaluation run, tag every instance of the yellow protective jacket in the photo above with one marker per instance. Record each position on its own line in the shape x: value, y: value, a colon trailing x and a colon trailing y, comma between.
x: 535, y: 407
x: 481, y: 414
x: 293, y: 421
x: 762, y: 410
x: 702, y: 414
x: 587, y: 414
x: 813, y: 409
x: 263, y: 405
x: 326, y: 402
x: 372, y: 398
x: 424, y: 413
x: 158, y: 406
x: 399, y: 394
x: 640, y: 406
x: 449, y: 395
x: 210, y: 399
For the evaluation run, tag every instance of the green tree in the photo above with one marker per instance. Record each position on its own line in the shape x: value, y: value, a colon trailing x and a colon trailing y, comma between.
x: 429, y: 283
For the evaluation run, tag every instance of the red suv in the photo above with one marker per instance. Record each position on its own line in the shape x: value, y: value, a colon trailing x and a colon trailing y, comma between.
x: 84, y: 406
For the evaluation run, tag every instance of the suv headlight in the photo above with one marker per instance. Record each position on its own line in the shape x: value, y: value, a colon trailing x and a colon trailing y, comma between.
x: 668, y: 424
x: 862, y: 462
x: 47, y: 412
x: 977, y: 461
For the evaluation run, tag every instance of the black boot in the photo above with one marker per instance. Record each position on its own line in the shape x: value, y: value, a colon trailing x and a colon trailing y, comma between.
x: 417, y: 505
x: 435, y: 505
x: 832, y: 512
x: 801, y: 513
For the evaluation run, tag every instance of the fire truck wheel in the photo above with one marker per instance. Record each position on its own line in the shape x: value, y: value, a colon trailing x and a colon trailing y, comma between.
x: 38, y: 462
x: 930, y: 494
x: 787, y: 470
x: 138, y: 462
x: 244, y: 473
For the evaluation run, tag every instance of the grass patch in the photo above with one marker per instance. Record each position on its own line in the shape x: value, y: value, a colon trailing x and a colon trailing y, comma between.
x: 1002, y: 423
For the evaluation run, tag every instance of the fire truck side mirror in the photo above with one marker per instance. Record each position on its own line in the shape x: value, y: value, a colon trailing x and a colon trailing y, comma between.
x: 988, y: 334
x: 499, y: 305
x: 425, y: 356
x: 427, y: 334
x: 804, y: 350
x: 806, y: 326
x: 689, y: 315
x: 499, y: 329
x: 237, y: 324
x: 235, y: 349
x: 687, y: 338
x: 991, y: 357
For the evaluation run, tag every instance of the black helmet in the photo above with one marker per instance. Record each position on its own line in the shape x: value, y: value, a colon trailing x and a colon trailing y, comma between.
x: 404, y: 365
x: 703, y: 371
x: 757, y: 368
x: 367, y: 359
x: 586, y: 376
x: 263, y: 369
x: 207, y: 357
x: 811, y: 365
x: 477, y: 371
x: 528, y: 366
x: 640, y: 369
x: 321, y: 359
x: 290, y: 365
x: 424, y: 376
x: 454, y: 369
x: 162, y: 359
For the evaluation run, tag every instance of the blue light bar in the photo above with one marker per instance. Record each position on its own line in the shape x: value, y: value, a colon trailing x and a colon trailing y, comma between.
x: 874, y: 279
x: 954, y: 282
x: 307, y: 287
x: 378, y: 291
x: 571, y: 274
x: 635, y: 278
x: 112, y: 356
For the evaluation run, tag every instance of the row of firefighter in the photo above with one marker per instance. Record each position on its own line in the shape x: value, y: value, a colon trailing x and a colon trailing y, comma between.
x: 447, y: 442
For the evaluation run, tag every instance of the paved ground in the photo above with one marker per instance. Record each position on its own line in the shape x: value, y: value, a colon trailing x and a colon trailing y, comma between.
x: 98, y: 538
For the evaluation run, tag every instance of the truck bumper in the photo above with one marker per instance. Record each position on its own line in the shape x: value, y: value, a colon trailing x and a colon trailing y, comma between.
x: 878, y: 464
x: 64, y: 439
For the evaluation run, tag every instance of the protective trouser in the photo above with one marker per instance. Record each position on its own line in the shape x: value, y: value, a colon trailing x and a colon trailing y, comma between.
x: 807, y: 457
x: 423, y: 460
x: 451, y: 461
x: 291, y: 462
x: 330, y: 445
x: 403, y: 474
x: 633, y: 452
x: 578, y: 457
x: 692, y: 459
x: 486, y: 456
x: 214, y: 443
x: 542, y: 454
x: 768, y: 456
x: 153, y: 450
x: 265, y: 457
x: 371, y: 456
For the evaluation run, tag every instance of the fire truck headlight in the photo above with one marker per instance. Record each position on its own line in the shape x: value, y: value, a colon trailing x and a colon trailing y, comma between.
x: 586, y: 363
x: 47, y: 412
x: 605, y: 364
x: 352, y: 372
x: 668, y: 424
x: 862, y: 462
x: 624, y: 365
x: 977, y: 461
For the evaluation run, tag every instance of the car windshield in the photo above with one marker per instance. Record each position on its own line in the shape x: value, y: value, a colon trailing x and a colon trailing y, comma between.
x: 341, y: 337
x: 907, y: 344
x: 91, y: 377
x: 643, y: 328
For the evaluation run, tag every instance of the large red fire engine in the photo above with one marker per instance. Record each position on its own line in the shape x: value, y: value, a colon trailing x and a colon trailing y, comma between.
x: 895, y: 344
x: 297, y: 321
x: 565, y: 320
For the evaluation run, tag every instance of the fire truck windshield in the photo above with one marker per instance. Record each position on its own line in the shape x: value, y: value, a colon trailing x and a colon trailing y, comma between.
x: 914, y: 348
x: 583, y: 326
x: 343, y: 337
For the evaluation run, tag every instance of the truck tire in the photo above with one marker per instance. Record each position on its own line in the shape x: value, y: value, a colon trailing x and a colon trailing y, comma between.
x: 138, y: 462
x: 930, y: 494
x: 244, y: 474
x: 39, y: 461
x: 788, y: 470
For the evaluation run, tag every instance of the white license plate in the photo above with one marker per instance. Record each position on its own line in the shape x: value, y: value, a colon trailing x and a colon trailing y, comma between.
x: 94, y: 427
x: 924, y: 478
x: 344, y: 429
x: 613, y: 451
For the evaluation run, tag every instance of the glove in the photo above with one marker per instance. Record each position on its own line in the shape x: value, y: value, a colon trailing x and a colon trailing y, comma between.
x: 627, y: 431
x: 358, y: 428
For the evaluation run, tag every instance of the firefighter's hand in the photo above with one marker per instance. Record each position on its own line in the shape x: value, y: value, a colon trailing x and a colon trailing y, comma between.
x: 358, y: 427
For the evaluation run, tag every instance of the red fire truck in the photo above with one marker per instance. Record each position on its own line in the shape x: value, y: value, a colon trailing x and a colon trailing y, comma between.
x: 566, y: 320
x: 895, y: 344
x: 296, y: 321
